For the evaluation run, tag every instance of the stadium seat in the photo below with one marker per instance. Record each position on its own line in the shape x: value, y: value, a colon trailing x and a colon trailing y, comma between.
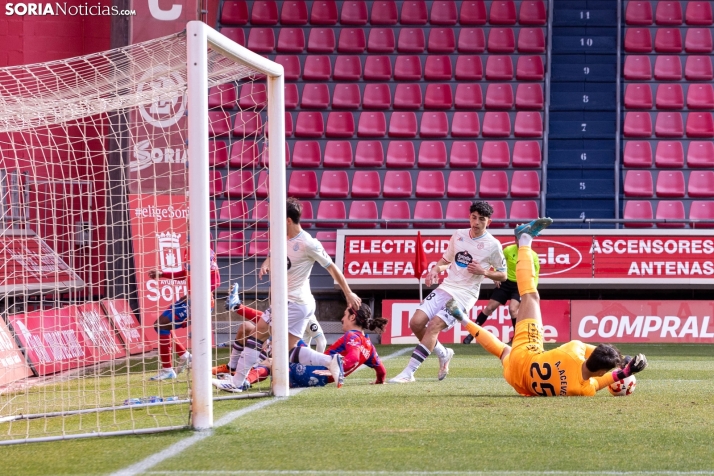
x: 217, y: 154
x: 638, y: 183
x: 468, y: 96
x: 291, y: 40
x: 239, y: 184
x: 252, y: 95
x: 638, y: 13
x: 499, y: 96
x: 469, y: 68
x: 501, y: 40
x: 261, y: 214
x: 331, y: 210
x: 428, y: 210
x: 698, y: 13
x: 346, y: 96
x: 670, y: 210
x: 532, y: 13
x: 334, y: 184
x: 523, y: 210
x: 637, y: 67
x: 531, y: 40
x: 302, y: 184
x: 495, y: 154
x: 338, y: 153
x: 402, y: 124
x: 232, y: 210
x: 698, y: 68
x: 384, y: 12
x: 457, y: 213
x: 377, y: 96
x: 411, y: 40
x: 307, y: 154
x: 259, y: 244
x: 638, y: 96
x: 441, y: 40
x: 667, y: 68
x: 434, y: 124
x: 317, y: 68
x: 407, y: 68
x: 464, y: 154
x: 528, y: 124
x: 669, y: 96
x: 363, y: 210
x: 369, y: 154
x: 230, y: 244
x: 288, y: 125
x: 395, y: 210
x: 530, y: 68
x: 503, y: 12
x: 223, y: 95
x: 328, y: 240
x: 701, y: 184
x: 698, y: 40
x: 496, y: 124
x: 499, y: 67
x: 321, y: 40
x: 244, y: 154
x: 493, y: 184
x: 291, y: 96
x: 366, y: 184
x: 264, y: 12
x: 294, y: 12
x: 430, y: 184
x: 407, y: 96
x: 234, y: 12
x: 670, y: 184
x: 638, y: 210
x: 700, y: 96
x: 261, y: 190
x: 638, y: 40
x: 700, y: 154
x: 668, y: 13
x: 438, y: 96
x: 378, y: 68
x: 473, y: 12
x: 529, y: 96
x: 215, y: 183
x: 700, y: 125
x: 261, y: 40
x: 465, y: 124
x: 381, y: 40
x: 324, y: 12
x: 637, y: 124
x: 397, y: 184
x: 499, y: 213
x: 309, y: 125
x: 525, y: 184
x: 414, y: 12
x: 372, y: 124
x: 669, y: 154
x: 702, y: 210
x: 400, y: 154
x: 637, y: 154
x: 352, y: 40
x: 437, y: 68
x: 291, y: 65
x: 471, y: 40
x: 246, y: 123
x: 526, y: 153
x: 354, y: 12
x: 235, y: 34
x: 444, y: 13
x: 462, y: 184
x: 340, y: 125
x: 219, y: 123
x: 432, y: 154
x: 347, y: 68
x: 668, y: 40
x: 264, y: 157
x: 315, y: 96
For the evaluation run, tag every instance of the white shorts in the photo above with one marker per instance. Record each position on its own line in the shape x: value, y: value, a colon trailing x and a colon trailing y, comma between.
x: 434, y: 305
x: 298, y: 316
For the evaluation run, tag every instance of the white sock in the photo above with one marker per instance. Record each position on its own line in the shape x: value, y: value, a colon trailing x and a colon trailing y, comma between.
x: 236, y: 351
x: 186, y: 355
x: 525, y: 240
x: 320, y: 343
x: 308, y: 356
x: 418, y: 356
x: 248, y: 358
x: 439, y: 350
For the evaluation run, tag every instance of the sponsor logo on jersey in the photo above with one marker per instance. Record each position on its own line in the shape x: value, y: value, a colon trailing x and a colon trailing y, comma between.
x: 463, y: 258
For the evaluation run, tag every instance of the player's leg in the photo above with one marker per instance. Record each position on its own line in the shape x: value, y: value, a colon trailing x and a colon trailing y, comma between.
x: 487, y: 340
x: 246, y: 329
x: 252, y: 348
x: 513, y: 307
x: 314, y: 331
x: 174, y: 315
x: 525, y: 270
x: 483, y: 316
x: 418, y: 323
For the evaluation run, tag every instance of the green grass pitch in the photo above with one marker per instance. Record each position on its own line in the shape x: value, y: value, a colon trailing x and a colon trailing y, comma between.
x: 470, y: 423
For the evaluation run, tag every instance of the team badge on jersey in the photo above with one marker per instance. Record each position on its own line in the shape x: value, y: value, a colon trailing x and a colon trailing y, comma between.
x: 463, y: 258
x: 296, y: 247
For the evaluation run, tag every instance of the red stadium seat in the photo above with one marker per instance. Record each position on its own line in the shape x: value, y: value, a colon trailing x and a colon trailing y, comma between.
x: 381, y: 40
x: 669, y: 154
x: 411, y: 40
x: 334, y: 184
x: 531, y: 40
x: 638, y: 183
x: 637, y: 154
x: 637, y: 124
x: 469, y: 68
x: 261, y: 40
x: 444, y: 12
x: 525, y: 184
x: 523, y: 210
x: 354, y: 12
x: 378, y: 68
x: 493, y: 184
x: 501, y: 40
x: 457, y: 213
x: 217, y: 154
x: 369, y: 154
x: 700, y: 124
x: 372, y: 124
x: 309, y: 124
x: 700, y: 96
x: 473, y: 12
x: 252, y: 95
x: 291, y: 40
x: 264, y: 12
x: 638, y: 13
x: 232, y: 210
x: 532, y: 13
x: 291, y: 96
x: 366, y: 184
x: 397, y: 184
x: 230, y: 243
x: 407, y: 96
x: 403, y: 124
x: 432, y: 154
x: 529, y: 96
x: 668, y: 40
x: 499, y: 213
x: 219, y: 123
x: 669, y: 124
x: 400, y: 154
x: 294, y: 12
x: 701, y: 184
x: 530, y: 68
x: 215, y: 183
x: 495, y: 154
x: 638, y: 210
x: 462, y: 184
x: 235, y: 34
x: 668, y: 68
x: 264, y: 158
x: 526, y: 153
x: 261, y: 191
x: 407, y: 68
x: 261, y: 214
x: 438, y: 96
x: 384, y: 12
x: 428, y: 210
x: 223, y: 95
x: 698, y: 68
x: 465, y: 124
x: 327, y: 238
x: 346, y: 96
x: 239, y: 184
x: 288, y: 125
x: 503, y: 12
x: 638, y: 40
x: 496, y: 124
x: 340, y: 125
x: 302, y: 184
x: 499, y: 96
x: 244, y: 154
x: 338, y: 153
x: 670, y: 184
x: 441, y: 40
x: 321, y: 40
x: 670, y: 210
x: 471, y: 40
x: 291, y: 65
x: 468, y: 96
x: 395, y: 210
x: 331, y: 210
x: 363, y: 210
x: 434, y: 124
x: 307, y: 154
x: 352, y: 40
x: 700, y: 154
x: 638, y: 96
x: 234, y: 12
x: 324, y: 12
x: 414, y: 12
x: 702, y: 210
x: 347, y: 68
x: 669, y: 96
x: 637, y: 67
x: 247, y: 123
x: 377, y: 96
x: 528, y: 124
x: 430, y: 184
x: 317, y: 68
x: 698, y: 13
x: 315, y: 96
x: 668, y: 13
x: 499, y: 67
x: 464, y: 154
x: 437, y: 68
x: 260, y: 241
x: 698, y: 40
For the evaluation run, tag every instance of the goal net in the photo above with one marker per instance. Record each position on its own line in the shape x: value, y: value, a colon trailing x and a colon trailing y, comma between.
x: 134, y: 192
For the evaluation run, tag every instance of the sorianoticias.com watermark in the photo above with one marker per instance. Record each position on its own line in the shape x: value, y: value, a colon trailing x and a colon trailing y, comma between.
x: 57, y: 9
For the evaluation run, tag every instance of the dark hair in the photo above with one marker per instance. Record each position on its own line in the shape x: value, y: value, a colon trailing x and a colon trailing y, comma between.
x: 483, y: 209
x: 604, y: 357
x: 294, y: 210
x: 364, y: 318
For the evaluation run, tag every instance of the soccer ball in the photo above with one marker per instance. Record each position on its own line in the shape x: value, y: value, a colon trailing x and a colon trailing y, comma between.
x: 624, y: 387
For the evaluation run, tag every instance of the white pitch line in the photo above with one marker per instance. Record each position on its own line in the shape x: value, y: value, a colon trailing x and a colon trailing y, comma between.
x: 433, y: 473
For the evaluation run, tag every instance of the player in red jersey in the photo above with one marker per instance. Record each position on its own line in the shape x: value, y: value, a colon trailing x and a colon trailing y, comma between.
x: 176, y: 316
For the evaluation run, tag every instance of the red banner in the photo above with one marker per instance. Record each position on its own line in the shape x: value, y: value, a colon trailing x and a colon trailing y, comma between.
x: 137, y: 339
x: 13, y: 365
x: 556, y: 322
x: 643, y: 321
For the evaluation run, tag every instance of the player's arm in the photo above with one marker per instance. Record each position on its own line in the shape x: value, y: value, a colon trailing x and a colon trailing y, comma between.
x: 432, y: 276
x: 375, y: 363
x: 264, y: 268
x: 353, y: 300
x: 635, y: 365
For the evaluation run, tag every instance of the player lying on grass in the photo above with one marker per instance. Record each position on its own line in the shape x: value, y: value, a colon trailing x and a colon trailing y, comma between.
x: 572, y: 369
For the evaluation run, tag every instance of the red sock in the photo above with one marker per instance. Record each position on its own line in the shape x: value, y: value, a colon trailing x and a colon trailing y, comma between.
x: 180, y: 349
x: 249, y: 313
x: 257, y: 374
x: 165, y: 350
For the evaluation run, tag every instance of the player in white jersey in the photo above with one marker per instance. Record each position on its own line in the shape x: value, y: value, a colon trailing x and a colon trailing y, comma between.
x: 303, y: 252
x: 471, y: 254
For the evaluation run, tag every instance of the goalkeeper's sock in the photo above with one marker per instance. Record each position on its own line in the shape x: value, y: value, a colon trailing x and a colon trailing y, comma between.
x: 180, y: 349
x: 525, y: 270
x: 165, y: 348
x: 481, y: 318
x: 258, y: 374
x: 249, y: 313
x: 248, y: 358
x: 307, y: 356
x: 439, y: 350
x: 236, y: 350
x: 418, y: 356
x: 488, y: 341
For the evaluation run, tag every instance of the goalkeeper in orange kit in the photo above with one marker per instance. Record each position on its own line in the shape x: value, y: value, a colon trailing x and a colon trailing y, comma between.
x: 572, y: 369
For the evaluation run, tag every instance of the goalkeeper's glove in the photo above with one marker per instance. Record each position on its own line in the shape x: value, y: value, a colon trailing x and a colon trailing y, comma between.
x: 634, y: 365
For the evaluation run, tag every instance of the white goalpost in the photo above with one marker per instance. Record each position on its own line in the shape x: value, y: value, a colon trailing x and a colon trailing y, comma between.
x: 130, y: 179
